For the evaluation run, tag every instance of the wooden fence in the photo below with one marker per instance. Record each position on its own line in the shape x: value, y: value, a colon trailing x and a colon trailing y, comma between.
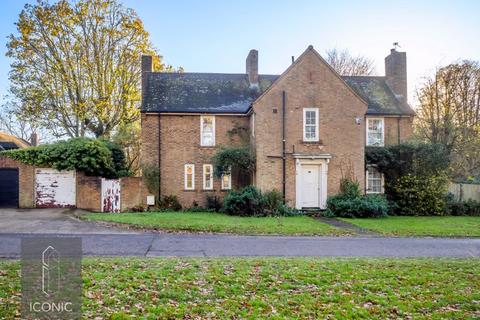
x: 464, y: 192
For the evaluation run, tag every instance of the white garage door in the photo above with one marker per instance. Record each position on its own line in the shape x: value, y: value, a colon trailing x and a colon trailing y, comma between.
x: 54, y: 189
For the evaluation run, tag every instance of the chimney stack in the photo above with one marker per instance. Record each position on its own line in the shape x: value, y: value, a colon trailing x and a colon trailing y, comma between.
x: 396, y: 73
x: 252, y: 67
x: 147, y: 66
x: 34, y: 139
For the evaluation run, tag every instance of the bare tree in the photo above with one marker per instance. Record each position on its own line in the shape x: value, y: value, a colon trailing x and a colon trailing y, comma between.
x: 449, y: 113
x: 12, y: 123
x: 347, y: 65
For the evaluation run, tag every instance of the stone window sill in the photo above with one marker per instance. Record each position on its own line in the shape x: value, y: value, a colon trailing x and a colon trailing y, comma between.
x: 320, y: 143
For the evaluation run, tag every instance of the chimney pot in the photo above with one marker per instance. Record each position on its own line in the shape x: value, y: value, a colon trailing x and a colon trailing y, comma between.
x: 396, y: 73
x: 34, y: 139
x: 147, y: 66
x: 147, y: 63
x: 252, y: 67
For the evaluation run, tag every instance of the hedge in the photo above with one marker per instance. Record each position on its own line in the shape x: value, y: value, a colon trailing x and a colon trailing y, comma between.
x: 95, y: 157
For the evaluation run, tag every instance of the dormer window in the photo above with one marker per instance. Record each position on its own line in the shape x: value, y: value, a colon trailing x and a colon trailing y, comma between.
x: 310, y: 124
x: 207, y: 131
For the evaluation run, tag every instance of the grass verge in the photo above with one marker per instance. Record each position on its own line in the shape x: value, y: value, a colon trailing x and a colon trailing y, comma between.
x: 273, y: 288
x: 421, y: 226
x: 220, y: 223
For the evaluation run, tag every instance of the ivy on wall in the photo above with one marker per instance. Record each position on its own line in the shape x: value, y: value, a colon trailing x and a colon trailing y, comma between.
x: 95, y: 157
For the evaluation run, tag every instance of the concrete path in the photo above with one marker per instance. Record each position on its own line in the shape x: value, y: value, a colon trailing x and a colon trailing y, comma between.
x: 347, y: 226
x: 54, y: 221
x: 164, y: 244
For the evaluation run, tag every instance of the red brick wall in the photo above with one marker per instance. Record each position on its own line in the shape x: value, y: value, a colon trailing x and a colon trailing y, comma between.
x: 180, y: 145
x: 392, y: 131
x: 26, y: 181
x: 88, y: 192
x: 133, y: 193
x: 309, y: 84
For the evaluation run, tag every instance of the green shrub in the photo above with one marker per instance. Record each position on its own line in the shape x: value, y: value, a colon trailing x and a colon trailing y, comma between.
x: 370, y: 206
x: 285, y: 211
x: 248, y: 201
x: 461, y: 208
x: 92, y: 156
x: 151, y: 177
x: 273, y: 200
x: 419, y: 196
x: 351, y: 203
x: 350, y: 188
x: 421, y: 159
x: 213, y: 203
x: 170, y: 203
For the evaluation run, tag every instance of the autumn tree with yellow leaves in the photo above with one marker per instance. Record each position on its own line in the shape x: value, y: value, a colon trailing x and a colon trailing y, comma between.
x: 76, y: 66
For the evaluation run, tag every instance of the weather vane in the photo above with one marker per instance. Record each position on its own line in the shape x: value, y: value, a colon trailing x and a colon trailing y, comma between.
x: 396, y: 45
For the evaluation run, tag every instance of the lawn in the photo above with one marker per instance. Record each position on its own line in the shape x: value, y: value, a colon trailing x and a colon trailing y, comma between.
x: 422, y: 226
x: 273, y: 288
x: 216, y: 222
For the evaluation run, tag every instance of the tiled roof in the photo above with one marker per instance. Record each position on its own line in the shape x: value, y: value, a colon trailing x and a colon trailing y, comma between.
x: 201, y: 92
x: 8, y: 142
x: 381, y: 99
x: 231, y: 93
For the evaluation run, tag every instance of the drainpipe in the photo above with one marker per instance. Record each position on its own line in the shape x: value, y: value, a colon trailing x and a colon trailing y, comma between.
x: 283, y: 148
x: 398, y: 129
x: 159, y: 154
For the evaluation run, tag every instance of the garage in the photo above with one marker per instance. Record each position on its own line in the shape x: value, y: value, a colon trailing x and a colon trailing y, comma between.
x: 54, y: 189
x: 8, y: 188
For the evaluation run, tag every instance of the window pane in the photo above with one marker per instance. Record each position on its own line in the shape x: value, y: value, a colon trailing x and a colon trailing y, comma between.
x: 189, y: 178
x: 207, y: 177
x: 226, y: 181
x: 207, y: 132
x: 207, y: 124
x: 310, y: 132
x: 375, y: 132
x: 374, y: 181
x: 310, y: 117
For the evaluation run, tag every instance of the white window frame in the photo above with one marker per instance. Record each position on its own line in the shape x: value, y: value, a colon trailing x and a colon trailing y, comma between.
x: 205, y: 166
x: 382, y: 143
x: 229, y: 186
x: 382, y: 182
x: 186, y: 175
x: 202, y: 143
x: 252, y: 125
x: 316, y: 139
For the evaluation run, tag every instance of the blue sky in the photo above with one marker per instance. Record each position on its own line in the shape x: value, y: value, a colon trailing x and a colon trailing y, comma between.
x: 216, y: 35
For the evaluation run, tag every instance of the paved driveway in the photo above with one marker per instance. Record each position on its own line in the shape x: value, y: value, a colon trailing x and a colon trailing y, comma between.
x: 60, y: 221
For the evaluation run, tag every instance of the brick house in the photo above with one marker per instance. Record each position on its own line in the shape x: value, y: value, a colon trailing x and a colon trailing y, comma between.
x: 306, y: 126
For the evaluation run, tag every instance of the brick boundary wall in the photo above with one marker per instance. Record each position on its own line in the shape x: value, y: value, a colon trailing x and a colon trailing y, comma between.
x: 133, y: 193
x: 88, y: 189
x: 89, y: 192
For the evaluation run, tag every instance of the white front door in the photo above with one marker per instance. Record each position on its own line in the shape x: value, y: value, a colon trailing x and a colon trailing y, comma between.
x: 310, y: 186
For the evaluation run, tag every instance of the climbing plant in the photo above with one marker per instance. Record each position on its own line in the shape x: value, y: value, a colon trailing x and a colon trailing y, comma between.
x: 95, y: 157
x: 239, y: 158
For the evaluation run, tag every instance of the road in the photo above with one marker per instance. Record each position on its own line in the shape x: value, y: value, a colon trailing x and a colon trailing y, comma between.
x: 165, y: 244
x: 102, y: 240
